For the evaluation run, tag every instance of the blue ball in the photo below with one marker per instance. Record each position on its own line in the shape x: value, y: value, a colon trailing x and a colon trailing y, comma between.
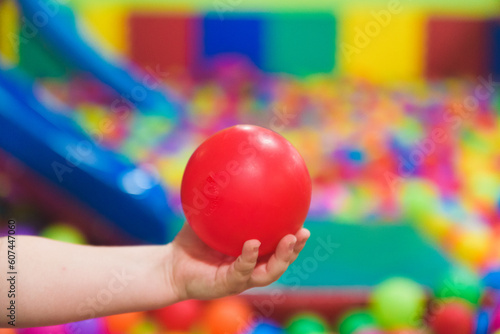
x: 267, y: 328
x: 483, y: 322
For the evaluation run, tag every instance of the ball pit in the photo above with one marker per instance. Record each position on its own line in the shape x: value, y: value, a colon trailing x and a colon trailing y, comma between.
x: 377, y: 155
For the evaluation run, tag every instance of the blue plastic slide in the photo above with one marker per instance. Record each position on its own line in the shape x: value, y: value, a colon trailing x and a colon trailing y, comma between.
x: 56, y: 25
x: 51, y: 145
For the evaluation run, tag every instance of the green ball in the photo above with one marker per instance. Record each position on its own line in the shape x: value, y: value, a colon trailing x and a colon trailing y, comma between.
x: 355, y: 320
x: 418, y: 198
x: 460, y: 283
x: 64, y: 233
x: 146, y: 327
x: 398, y: 303
x: 306, y: 323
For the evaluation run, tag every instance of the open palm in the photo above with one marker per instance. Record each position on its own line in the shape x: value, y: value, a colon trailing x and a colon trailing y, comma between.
x: 199, y: 272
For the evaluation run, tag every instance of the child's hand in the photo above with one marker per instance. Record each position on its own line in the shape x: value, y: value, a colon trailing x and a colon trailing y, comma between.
x: 195, y: 271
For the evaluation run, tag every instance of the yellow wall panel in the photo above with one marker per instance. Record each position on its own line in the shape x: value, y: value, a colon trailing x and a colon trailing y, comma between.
x: 108, y: 27
x: 9, y: 32
x: 382, y: 44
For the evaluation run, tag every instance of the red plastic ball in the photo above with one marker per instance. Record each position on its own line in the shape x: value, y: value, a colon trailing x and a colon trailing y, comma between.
x: 180, y: 316
x: 245, y: 182
x: 452, y: 317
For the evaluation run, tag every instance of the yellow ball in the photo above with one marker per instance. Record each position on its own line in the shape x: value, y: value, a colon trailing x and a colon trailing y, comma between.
x: 64, y: 233
x: 435, y: 227
x: 471, y: 247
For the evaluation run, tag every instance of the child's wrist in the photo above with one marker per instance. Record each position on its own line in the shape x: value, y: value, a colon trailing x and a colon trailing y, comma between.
x: 172, y: 289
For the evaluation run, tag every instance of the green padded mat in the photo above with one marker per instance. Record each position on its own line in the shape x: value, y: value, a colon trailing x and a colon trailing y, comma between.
x: 361, y: 255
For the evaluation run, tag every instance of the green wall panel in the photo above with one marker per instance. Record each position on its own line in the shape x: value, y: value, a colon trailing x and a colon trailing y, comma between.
x: 300, y: 44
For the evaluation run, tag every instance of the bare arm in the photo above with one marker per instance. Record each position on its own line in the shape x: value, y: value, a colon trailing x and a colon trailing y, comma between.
x: 58, y: 282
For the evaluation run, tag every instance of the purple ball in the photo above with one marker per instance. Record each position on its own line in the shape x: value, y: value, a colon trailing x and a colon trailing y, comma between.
x: 94, y: 326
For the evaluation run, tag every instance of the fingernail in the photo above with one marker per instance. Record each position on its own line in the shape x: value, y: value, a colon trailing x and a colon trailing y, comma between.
x: 256, y: 248
x: 291, y: 246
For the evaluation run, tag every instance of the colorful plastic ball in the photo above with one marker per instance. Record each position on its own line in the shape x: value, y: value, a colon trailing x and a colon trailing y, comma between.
x: 267, y: 328
x: 370, y: 331
x: 25, y: 229
x: 460, y: 283
x: 59, y: 329
x: 125, y: 322
x: 419, y: 198
x: 145, y: 327
x: 492, y: 279
x: 495, y: 320
x: 306, y: 323
x: 64, y: 233
x: 355, y: 321
x: 8, y: 331
x: 179, y: 316
x: 245, y: 182
x: 436, y: 227
x: 470, y: 247
x: 397, y: 303
x: 96, y: 326
x: 482, y: 322
x: 228, y: 315
x: 452, y: 317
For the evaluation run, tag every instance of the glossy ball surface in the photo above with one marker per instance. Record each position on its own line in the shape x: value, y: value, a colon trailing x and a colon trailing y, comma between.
x: 245, y: 182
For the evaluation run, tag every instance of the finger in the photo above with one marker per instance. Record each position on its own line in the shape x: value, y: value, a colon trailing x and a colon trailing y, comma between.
x: 302, y: 236
x: 278, y: 262
x: 241, y: 269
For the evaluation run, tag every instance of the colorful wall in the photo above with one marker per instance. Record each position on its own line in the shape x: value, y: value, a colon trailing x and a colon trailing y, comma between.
x: 379, y: 40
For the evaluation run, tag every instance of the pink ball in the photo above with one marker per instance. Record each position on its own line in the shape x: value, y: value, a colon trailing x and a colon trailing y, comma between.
x: 59, y: 329
x: 495, y: 320
x: 369, y: 331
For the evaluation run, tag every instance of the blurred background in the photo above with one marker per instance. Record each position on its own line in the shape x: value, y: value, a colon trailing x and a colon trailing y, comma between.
x: 394, y: 105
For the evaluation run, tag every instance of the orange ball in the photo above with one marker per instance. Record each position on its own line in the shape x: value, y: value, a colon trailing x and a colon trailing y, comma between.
x: 7, y: 331
x: 230, y: 315
x: 121, y: 323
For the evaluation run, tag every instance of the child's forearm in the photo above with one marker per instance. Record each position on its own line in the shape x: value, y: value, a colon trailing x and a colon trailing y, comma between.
x: 59, y: 282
